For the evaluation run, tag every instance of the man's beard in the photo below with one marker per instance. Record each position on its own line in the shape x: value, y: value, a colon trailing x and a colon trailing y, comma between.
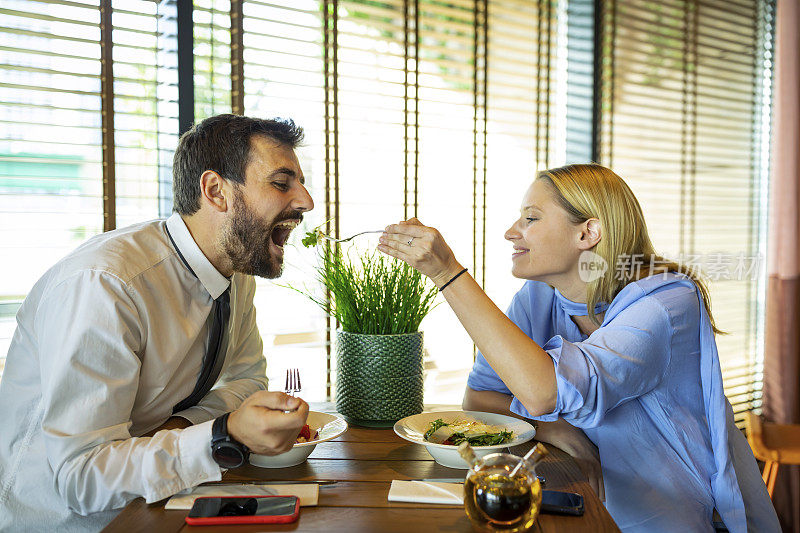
x: 246, y: 240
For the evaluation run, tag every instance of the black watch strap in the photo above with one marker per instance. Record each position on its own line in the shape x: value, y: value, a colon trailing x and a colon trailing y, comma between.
x: 219, y: 431
x: 227, y: 452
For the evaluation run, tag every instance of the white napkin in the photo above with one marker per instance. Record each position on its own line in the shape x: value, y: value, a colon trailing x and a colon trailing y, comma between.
x: 426, y: 492
x: 307, y: 493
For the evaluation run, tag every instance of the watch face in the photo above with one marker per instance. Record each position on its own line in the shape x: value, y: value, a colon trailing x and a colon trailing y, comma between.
x: 228, y: 455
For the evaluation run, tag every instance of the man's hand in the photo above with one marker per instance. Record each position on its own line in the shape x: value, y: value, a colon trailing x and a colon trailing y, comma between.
x: 263, y: 424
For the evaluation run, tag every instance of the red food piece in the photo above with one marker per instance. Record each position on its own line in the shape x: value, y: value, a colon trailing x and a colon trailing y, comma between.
x: 305, y: 432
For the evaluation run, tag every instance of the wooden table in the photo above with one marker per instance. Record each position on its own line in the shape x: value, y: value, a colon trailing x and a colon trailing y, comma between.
x: 364, y: 462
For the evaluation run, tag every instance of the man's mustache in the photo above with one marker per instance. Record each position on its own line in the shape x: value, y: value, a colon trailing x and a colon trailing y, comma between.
x: 290, y: 215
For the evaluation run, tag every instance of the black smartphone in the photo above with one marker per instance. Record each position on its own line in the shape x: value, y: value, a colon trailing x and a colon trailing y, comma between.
x: 243, y: 510
x: 556, y: 502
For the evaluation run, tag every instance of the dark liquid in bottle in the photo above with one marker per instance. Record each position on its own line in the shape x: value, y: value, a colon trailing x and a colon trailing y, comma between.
x: 497, y: 502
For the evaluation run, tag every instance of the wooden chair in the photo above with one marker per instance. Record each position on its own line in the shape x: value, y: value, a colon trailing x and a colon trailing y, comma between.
x: 775, y: 444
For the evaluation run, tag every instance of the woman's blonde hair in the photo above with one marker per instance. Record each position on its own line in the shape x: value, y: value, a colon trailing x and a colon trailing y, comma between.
x: 593, y: 191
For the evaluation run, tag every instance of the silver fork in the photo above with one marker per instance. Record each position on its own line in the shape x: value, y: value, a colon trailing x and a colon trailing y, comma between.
x: 293, y: 381
x: 334, y: 239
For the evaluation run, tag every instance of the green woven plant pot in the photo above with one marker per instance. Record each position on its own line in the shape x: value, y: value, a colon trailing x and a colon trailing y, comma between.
x: 380, y: 388
x: 379, y: 377
x: 378, y: 367
x: 372, y: 411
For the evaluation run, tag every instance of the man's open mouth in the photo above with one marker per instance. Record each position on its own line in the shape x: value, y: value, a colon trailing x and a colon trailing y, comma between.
x: 281, y: 230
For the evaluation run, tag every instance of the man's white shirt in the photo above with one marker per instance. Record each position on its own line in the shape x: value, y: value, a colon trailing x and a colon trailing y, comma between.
x: 108, y: 341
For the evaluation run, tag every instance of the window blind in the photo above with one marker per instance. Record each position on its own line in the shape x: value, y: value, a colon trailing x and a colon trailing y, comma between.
x: 407, y: 105
x: 580, y: 81
x: 685, y: 91
x: 50, y: 141
x: 523, y: 121
x: 145, y: 107
x: 439, y: 109
x: 51, y: 124
x: 284, y: 76
x: 448, y: 186
x: 212, y: 58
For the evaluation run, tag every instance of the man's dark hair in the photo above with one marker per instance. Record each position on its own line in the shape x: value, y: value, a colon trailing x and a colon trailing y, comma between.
x: 222, y: 144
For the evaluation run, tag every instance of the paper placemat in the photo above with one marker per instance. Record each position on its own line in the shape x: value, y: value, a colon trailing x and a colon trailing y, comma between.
x: 307, y: 493
x: 426, y: 492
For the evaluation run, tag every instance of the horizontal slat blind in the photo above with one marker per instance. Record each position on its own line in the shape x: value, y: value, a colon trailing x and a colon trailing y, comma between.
x: 729, y: 163
x: 145, y: 107
x: 284, y: 76
x: 683, y: 109
x: 414, y: 99
x: 371, y: 117
x: 580, y: 81
x: 50, y: 141
x: 372, y: 150
x: 448, y: 192
x: 51, y: 159
x: 212, y: 58
x: 521, y: 123
x: 419, y: 99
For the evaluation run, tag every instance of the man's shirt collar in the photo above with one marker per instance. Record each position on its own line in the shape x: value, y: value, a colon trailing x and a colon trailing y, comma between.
x: 213, y: 281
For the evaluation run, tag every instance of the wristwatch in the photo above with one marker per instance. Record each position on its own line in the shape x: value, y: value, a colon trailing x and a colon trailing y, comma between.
x: 227, y: 452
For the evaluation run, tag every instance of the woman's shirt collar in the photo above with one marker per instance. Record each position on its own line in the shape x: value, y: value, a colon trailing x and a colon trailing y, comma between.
x: 575, y: 308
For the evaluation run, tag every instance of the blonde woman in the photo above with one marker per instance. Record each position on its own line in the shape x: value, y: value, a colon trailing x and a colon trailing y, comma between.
x: 628, y: 357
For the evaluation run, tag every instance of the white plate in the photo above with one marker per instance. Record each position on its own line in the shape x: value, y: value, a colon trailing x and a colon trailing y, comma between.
x: 413, y: 428
x: 329, y: 427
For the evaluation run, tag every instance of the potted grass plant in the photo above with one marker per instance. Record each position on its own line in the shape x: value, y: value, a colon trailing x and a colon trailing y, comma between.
x: 379, y: 303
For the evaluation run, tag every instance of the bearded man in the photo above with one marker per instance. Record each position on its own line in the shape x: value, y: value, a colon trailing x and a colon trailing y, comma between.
x: 136, y: 368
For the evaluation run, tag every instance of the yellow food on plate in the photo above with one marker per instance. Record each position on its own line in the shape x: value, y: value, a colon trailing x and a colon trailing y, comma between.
x: 473, y: 431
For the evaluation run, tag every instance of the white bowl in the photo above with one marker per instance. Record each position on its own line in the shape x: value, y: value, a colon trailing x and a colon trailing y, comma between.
x: 413, y: 428
x: 329, y: 427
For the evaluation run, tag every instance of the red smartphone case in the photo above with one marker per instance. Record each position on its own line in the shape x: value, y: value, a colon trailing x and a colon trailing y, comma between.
x: 266, y: 519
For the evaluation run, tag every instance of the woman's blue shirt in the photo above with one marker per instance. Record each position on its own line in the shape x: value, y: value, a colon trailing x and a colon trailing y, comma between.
x: 646, y: 388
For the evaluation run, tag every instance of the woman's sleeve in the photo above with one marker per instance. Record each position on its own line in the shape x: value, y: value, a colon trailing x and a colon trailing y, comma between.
x: 483, y: 377
x: 621, y: 361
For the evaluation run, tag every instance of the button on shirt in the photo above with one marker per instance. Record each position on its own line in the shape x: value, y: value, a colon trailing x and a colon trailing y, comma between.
x: 646, y: 389
x: 108, y: 341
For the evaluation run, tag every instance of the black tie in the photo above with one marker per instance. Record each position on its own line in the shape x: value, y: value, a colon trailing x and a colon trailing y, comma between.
x: 215, y: 356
